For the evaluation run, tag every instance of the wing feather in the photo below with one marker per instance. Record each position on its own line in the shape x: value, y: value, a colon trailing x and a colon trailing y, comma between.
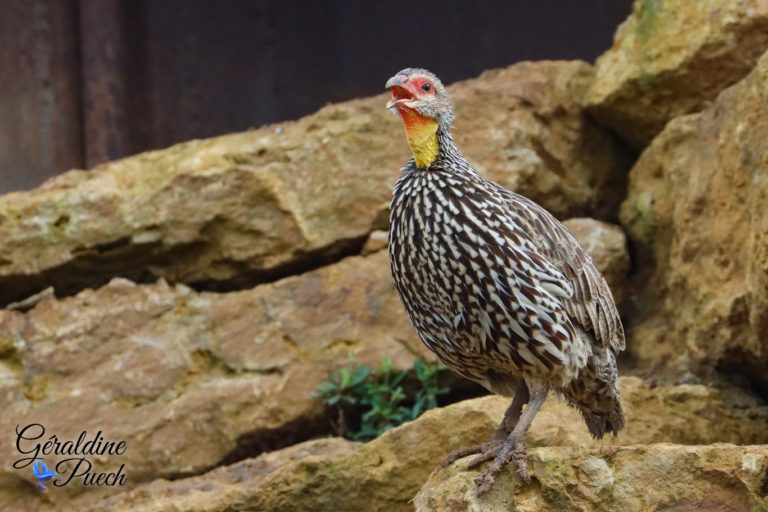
x: 591, y: 303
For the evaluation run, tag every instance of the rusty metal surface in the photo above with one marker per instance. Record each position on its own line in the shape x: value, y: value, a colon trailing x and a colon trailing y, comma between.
x: 112, y: 89
x: 40, y: 132
x: 216, y: 67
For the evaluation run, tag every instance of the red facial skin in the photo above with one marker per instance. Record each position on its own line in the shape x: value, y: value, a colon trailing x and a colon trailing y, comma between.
x: 417, y: 85
x: 412, y: 89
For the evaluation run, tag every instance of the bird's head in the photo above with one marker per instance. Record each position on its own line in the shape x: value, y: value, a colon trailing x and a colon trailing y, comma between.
x: 420, y: 91
x: 423, y: 104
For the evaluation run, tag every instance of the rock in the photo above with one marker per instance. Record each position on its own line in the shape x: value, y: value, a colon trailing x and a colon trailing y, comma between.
x: 524, y: 127
x: 670, y: 58
x: 191, y: 380
x: 696, y: 214
x: 719, y: 477
x: 231, y: 211
x: 607, y: 245
x: 223, y: 487
x: 385, y: 474
x: 377, y: 241
x: 382, y: 475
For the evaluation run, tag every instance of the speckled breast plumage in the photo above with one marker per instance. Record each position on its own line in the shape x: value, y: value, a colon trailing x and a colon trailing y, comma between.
x: 477, y: 269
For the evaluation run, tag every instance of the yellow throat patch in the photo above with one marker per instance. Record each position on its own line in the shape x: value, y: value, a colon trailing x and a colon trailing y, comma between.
x: 422, y: 136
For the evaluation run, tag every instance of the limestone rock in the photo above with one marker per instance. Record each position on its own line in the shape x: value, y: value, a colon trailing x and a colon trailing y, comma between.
x: 607, y: 245
x: 697, y: 214
x: 249, y: 207
x: 377, y: 241
x: 670, y: 58
x: 382, y: 475
x: 524, y: 127
x: 385, y: 474
x: 719, y: 477
x: 191, y: 380
x: 224, y: 488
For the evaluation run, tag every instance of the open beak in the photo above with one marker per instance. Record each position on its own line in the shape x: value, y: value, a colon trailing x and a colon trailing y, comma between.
x: 400, y: 92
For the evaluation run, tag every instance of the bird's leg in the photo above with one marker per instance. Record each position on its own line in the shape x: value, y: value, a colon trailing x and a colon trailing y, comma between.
x: 511, y: 416
x: 513, y: 447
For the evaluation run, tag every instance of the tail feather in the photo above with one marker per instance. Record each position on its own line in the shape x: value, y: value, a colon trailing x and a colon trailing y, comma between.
x: 609, y: 418
x: 595, y: 393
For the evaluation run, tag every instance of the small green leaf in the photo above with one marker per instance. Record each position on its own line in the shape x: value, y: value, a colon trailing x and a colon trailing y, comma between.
x: 345, y: 377
x: 378, y: 396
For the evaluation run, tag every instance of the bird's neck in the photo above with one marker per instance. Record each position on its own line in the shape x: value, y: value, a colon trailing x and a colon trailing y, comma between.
x: 422, y: 134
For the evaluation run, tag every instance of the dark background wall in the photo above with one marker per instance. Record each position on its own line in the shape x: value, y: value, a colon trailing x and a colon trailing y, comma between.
x: 84, y: 81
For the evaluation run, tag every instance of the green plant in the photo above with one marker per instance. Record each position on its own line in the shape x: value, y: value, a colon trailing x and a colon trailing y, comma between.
x: 377, y: 400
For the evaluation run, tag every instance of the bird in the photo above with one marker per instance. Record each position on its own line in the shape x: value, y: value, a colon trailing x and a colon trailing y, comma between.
x: 496, y: 286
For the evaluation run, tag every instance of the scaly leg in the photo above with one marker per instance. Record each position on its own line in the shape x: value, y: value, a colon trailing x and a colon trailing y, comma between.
x: 513, y: 447
x: 511, y: 417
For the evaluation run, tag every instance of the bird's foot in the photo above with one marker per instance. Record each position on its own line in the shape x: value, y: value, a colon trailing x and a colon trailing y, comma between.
x: 502, y: 455
x: 462, y: 452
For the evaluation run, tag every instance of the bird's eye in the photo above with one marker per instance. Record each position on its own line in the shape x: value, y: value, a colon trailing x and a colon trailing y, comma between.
x: 426, y: 87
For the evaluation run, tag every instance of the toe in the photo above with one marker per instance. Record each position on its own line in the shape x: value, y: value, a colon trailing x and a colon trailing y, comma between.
x: 501, y: 456
x: 489, y: 454
x: 520, y: 456
x: 463, y: 452
x: 488, y: 477
x: 484, y: 483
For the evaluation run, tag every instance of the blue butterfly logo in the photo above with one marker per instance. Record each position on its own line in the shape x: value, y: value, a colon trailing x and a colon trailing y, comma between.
x: 42, y: 473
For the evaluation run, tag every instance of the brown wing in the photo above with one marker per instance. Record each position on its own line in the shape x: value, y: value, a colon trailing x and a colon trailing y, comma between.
x: 591, y: 305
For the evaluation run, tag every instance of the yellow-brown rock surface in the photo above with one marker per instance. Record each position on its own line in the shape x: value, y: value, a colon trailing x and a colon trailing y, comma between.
x: 190, y: 380
x: 671, y: 57
x: 720, y: 477
x: 386, y: 473
x: 227, y: 488
x: 697, y: 215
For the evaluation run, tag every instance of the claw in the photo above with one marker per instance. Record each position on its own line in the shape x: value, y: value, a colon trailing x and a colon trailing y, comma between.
x: 501, y: 457
x: 484, y: 483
